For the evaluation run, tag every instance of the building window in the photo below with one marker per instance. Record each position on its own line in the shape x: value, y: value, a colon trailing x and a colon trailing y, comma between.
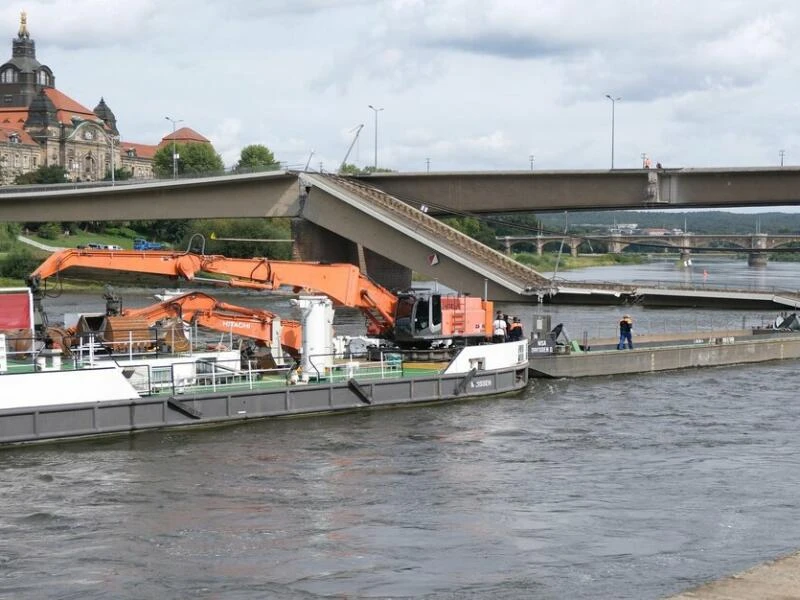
x: 16, y: 160
x: 41, y: 78
x: 8, y: 99
x: 35, y: 161
x: 8, y: 76
x: 25, y: 162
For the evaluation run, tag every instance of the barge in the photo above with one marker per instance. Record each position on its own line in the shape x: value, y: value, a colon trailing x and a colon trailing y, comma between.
x: 47, y: 396
x: 555, y: 356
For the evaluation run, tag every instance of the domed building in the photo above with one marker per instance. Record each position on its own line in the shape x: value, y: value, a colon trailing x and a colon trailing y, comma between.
x: 41, y: 126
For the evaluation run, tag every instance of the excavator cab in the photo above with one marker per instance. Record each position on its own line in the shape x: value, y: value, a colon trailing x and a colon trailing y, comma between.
x: 424, y: 319
x: 418, y: 318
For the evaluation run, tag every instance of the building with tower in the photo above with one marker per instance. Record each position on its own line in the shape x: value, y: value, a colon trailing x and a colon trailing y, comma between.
x: 41, y: 126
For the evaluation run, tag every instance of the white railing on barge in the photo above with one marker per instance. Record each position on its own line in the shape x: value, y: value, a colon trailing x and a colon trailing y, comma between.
x: 198, y: 370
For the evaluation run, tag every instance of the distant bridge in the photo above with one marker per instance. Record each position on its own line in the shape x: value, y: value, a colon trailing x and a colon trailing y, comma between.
x: 754, y: 243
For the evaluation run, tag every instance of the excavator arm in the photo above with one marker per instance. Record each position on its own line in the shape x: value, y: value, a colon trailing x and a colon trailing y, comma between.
x: 343, y: 283
x: 208, y: 312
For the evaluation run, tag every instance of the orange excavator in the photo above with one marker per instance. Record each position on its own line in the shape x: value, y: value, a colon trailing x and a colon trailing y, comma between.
x: 265, y: 328
x: 417, y: 318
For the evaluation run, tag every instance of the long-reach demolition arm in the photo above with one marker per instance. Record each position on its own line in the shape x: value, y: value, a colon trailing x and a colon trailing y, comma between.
x: 343, y: 283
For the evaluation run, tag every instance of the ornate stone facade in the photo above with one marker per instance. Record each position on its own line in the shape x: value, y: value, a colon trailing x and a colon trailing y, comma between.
x: 39, y: 125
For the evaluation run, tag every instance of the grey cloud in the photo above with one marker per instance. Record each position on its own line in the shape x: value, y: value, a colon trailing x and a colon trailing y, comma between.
x: 503, y: 44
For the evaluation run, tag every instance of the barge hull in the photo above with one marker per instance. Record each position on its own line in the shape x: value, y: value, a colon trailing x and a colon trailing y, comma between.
x: 61, y: 421
x: 720, y: 352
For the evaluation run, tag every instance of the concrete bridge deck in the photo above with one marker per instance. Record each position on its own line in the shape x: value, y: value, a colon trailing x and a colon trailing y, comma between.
x: 392, y: 228
x: 357, y: 214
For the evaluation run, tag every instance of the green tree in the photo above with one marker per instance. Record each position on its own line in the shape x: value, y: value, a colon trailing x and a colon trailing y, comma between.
x: 368, y: 170
x: 350, y: 169
x: 50, y: 231
x: 44, y: 174
x: 475, y: 228
x: 119, y: 174
x: 172, y: 231
x: 8, y: 235
x: 194, y: 159
x: 246, y: 238
x: 256, y: 157
x: 18, y: 263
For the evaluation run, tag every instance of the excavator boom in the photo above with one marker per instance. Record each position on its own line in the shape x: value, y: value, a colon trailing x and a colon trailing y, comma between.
x: 208, y: 312
x: 343, y: 283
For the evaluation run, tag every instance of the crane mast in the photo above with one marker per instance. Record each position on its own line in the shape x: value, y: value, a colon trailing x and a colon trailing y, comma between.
x: 350, y: 149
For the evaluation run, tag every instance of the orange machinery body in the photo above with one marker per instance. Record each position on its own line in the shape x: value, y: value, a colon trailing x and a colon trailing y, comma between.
x: 465, y: 315
x: 407, y: 318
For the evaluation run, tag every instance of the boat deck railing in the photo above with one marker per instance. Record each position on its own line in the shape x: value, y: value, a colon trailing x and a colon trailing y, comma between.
x: 201, y: 376
x: 214, y: 369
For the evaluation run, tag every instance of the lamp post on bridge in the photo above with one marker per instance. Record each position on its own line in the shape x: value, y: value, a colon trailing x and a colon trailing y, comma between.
x: 782, y: 153
x: 377, y: 110
x: 613, y: 111
x: 174, y: 155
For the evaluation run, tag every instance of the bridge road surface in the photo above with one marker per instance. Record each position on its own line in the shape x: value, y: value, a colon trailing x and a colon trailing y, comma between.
x: 774, y: 580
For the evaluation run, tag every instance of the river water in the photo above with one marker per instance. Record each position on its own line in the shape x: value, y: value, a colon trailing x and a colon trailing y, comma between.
x: 612, y: 487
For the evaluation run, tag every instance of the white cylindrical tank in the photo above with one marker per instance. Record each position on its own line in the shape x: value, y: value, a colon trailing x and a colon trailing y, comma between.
x: 317, y: 322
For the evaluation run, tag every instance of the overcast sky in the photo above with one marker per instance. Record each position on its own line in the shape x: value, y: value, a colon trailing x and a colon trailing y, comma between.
x: 468, y: 84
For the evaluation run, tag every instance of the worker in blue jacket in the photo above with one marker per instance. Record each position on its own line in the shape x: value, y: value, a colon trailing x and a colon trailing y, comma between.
x: 625, y: 336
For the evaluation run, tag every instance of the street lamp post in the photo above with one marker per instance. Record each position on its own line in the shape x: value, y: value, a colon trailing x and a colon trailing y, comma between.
x: 174, y: 155
x: 377, y: 110
x: 613, y: 110
x: 782, y: 153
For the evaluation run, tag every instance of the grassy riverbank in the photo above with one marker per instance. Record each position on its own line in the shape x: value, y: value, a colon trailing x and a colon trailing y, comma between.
x: 547, y: 261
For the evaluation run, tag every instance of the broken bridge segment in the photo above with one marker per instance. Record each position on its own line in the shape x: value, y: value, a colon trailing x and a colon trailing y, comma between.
x: 418, y: 241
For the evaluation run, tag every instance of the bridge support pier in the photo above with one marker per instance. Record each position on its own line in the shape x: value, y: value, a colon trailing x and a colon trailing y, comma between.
x: 686, y: 258
x: 315, y: 243
x: 756, y: 258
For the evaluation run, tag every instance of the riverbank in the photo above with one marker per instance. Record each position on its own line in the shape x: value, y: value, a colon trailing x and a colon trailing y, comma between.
x: 565, y: 262
x: 775, y: 580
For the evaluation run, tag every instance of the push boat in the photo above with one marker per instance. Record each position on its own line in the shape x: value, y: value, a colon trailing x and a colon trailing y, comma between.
x: 120, y: 388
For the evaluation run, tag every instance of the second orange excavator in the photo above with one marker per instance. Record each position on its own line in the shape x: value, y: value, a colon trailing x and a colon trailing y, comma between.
x: 411, y: 319
x: 266, y: 328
